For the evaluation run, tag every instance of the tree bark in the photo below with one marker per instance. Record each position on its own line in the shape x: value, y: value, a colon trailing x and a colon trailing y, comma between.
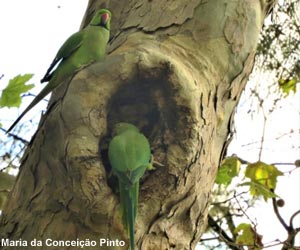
x: 176, y: 69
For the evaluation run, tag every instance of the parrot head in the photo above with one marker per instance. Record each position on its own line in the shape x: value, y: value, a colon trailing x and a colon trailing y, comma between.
x: 102, y: 18
x: 121, y: 127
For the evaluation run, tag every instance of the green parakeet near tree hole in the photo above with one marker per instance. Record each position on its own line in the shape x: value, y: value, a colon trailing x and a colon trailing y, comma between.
x: 82, y: 48
x: 129, y: 155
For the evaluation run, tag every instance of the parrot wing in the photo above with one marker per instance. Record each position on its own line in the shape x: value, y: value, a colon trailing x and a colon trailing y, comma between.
x: 137, y: 173
x: 131, y: 177
x: 67, y: 49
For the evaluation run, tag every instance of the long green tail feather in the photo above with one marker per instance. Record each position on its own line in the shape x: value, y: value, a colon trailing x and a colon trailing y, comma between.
x: 131, y: 217
x: 45, y: 91
x: 129, y: 202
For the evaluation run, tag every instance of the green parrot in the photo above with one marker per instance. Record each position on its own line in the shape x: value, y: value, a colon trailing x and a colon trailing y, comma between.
x: 80, y: 49
x: 129, y: 156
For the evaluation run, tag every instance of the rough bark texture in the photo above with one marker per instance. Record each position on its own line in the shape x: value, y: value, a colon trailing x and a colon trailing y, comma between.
x: 176, y: 69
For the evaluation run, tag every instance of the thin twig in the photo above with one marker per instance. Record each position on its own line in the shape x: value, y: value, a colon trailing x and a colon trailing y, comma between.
x: 222, y: 234
x: 263, y: 135
x: 229, y: 199
x: 16, y: 137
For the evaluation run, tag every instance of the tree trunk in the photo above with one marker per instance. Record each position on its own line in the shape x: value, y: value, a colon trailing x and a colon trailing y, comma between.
x: 176, y: 69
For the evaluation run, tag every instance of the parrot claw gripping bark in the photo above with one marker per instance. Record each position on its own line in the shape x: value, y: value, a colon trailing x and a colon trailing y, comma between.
x: 129, y: 155
x: 80, y: 49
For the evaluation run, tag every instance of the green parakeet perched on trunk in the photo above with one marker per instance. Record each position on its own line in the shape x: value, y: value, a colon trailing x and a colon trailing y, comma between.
x: 79, y: 50
x: 129, y: 155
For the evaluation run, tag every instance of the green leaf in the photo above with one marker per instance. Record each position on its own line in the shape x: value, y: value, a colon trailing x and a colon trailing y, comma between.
x: 229, y: 169
x: 257, y: 189
x: 11, y: 95
x: 263, y: 179
x: 288, y: 85
x: 248, y: 236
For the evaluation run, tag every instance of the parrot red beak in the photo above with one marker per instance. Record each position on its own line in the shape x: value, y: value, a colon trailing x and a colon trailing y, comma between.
x: 104, y: 18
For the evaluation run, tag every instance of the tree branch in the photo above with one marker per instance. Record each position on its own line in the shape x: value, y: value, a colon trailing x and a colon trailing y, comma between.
x: 293, y: 217
x: 281, y: 220
x: 290, y: 241
x: 222, y: 234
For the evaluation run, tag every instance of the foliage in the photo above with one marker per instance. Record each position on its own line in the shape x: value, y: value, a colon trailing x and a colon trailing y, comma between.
x: 232, y: 201
x: 229, y: 169
x: 263, y: 179
x: 11, y: 95
x: 248, y: 236
x: 279, y: 45
x: 287, y: 85
x: 240, y: 184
